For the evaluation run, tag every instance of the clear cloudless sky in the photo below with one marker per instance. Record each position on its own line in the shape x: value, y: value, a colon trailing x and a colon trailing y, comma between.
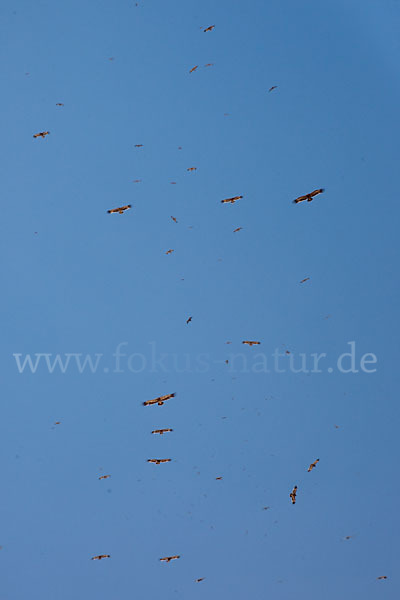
x: 78, y: 280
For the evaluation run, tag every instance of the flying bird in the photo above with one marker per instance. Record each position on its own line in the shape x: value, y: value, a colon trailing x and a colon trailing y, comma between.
x: 218, y: 478
x: 59, y: 104
x: 190, y: 169
x: 161, y: 431
x: 382, y: 577
x: 293, y: 494
x: 137, y: 181
x: 104, y: 477
x: 158, y: 461
x: 120, y: 209
x: 170, y: 251
x: 272, y: 88
x: 160, y: 400
x: 209, y: 28
x: 42, y: 134
x: 237, y: 229
x: 173, y: 182
x: 138, y: 145
x: 209, y: 65
x: 200, y: 579
x: 174, y: 220
x: 100, y: 556
x: 188, y: 321
x: 313, y: 465
x: 309, y: 196
x: 169, y: 558
x: 251, y: 343
x: 57, y: 422
x: 231, y: 200
x: 193, y: 69
x: 304, y: 280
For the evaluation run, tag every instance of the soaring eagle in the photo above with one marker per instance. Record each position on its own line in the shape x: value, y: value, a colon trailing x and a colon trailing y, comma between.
x: 158, y: 461
x: 100, y: 556
x: 59, y: 104
x: 168, y: 558
x: 161, y: 431
x: 120, y: 209
x: 104, y: 477
x: 190, y: 169
x: 188, y: 320
x: 231, y: 200
x: 237, y: 229
x: 200, y: 579
x: 174, y: 219
x: 209, y: 28
x: 193, y: 69
x: 304, y: 280
x: 313, y: 465
x: 293, y: 494
x: 382, y: 577
x: 160, y: 400
x: 170, y: 251
x: 209, y: 65
x: 42, y: 134
x: 308, y: 197
x: 251, y: 343
x: 218, y: 478
x: 272, y: 88
x: 138, y: 145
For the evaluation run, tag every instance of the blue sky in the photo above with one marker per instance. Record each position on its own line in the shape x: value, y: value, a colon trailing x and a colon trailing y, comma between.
x: 80, y: 281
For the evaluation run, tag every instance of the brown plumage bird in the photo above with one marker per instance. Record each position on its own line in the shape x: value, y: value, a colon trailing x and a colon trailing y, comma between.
x: 59, y: 104
x: 231, y: 200
x: 41, y: 134
x: 174, y: 219
x: 193, y: 69
x: 170, y: 251
x: 160, y: 400
x: 120, y: 209
x: 57, y: 422
x: 100, y: 556
x: 313, y: 465
x: 251, y: 343
x: 382, y: 577
x: 188, y: 320
x: 158, y: 461
x: 169, y: 558
x: 237, y: 229
x: 190, y: 169
x: 218, y: 478
x: 209, y: 65
x: 200, y: 579
x: 137, y: 181
x: 309, y: 196
x: 138, y: 145
x: 161, y: 431
x: 304, y: 280
x: 293, y: 494
x: 104, y: 477
x: 209, y: 28
x: 272, y: 88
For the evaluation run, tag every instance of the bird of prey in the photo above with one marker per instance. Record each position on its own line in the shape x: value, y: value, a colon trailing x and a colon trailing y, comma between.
x: 304, y: 280
x: 169, y: 558
x: 218, y: 478
x: 309, y: 196
x: 190, y: 169
x: 170, y: 251
x: 200, y: 579
x: 160, y: 400
x: 104, y: 477
x: 138, y: 145
x: 59, y: 104
x: 209, y: 28
x: 161, y: 431
x: 382, y: 577
x: 251, y: 343
x: 293, y: 494
x: 231, y: 200
x: 237, y: 229
x: 272, y: 88
x: 120, y: 209
x: 188, y: 320
x: 193, y: 69
x: 209, y: 65
x: 57, y: 422
x: 174, y: 219
x: 137, y: 181
x: 313, y: 465
x: 158, y: 461
x: 100, y: 556
x: 41, y: 134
